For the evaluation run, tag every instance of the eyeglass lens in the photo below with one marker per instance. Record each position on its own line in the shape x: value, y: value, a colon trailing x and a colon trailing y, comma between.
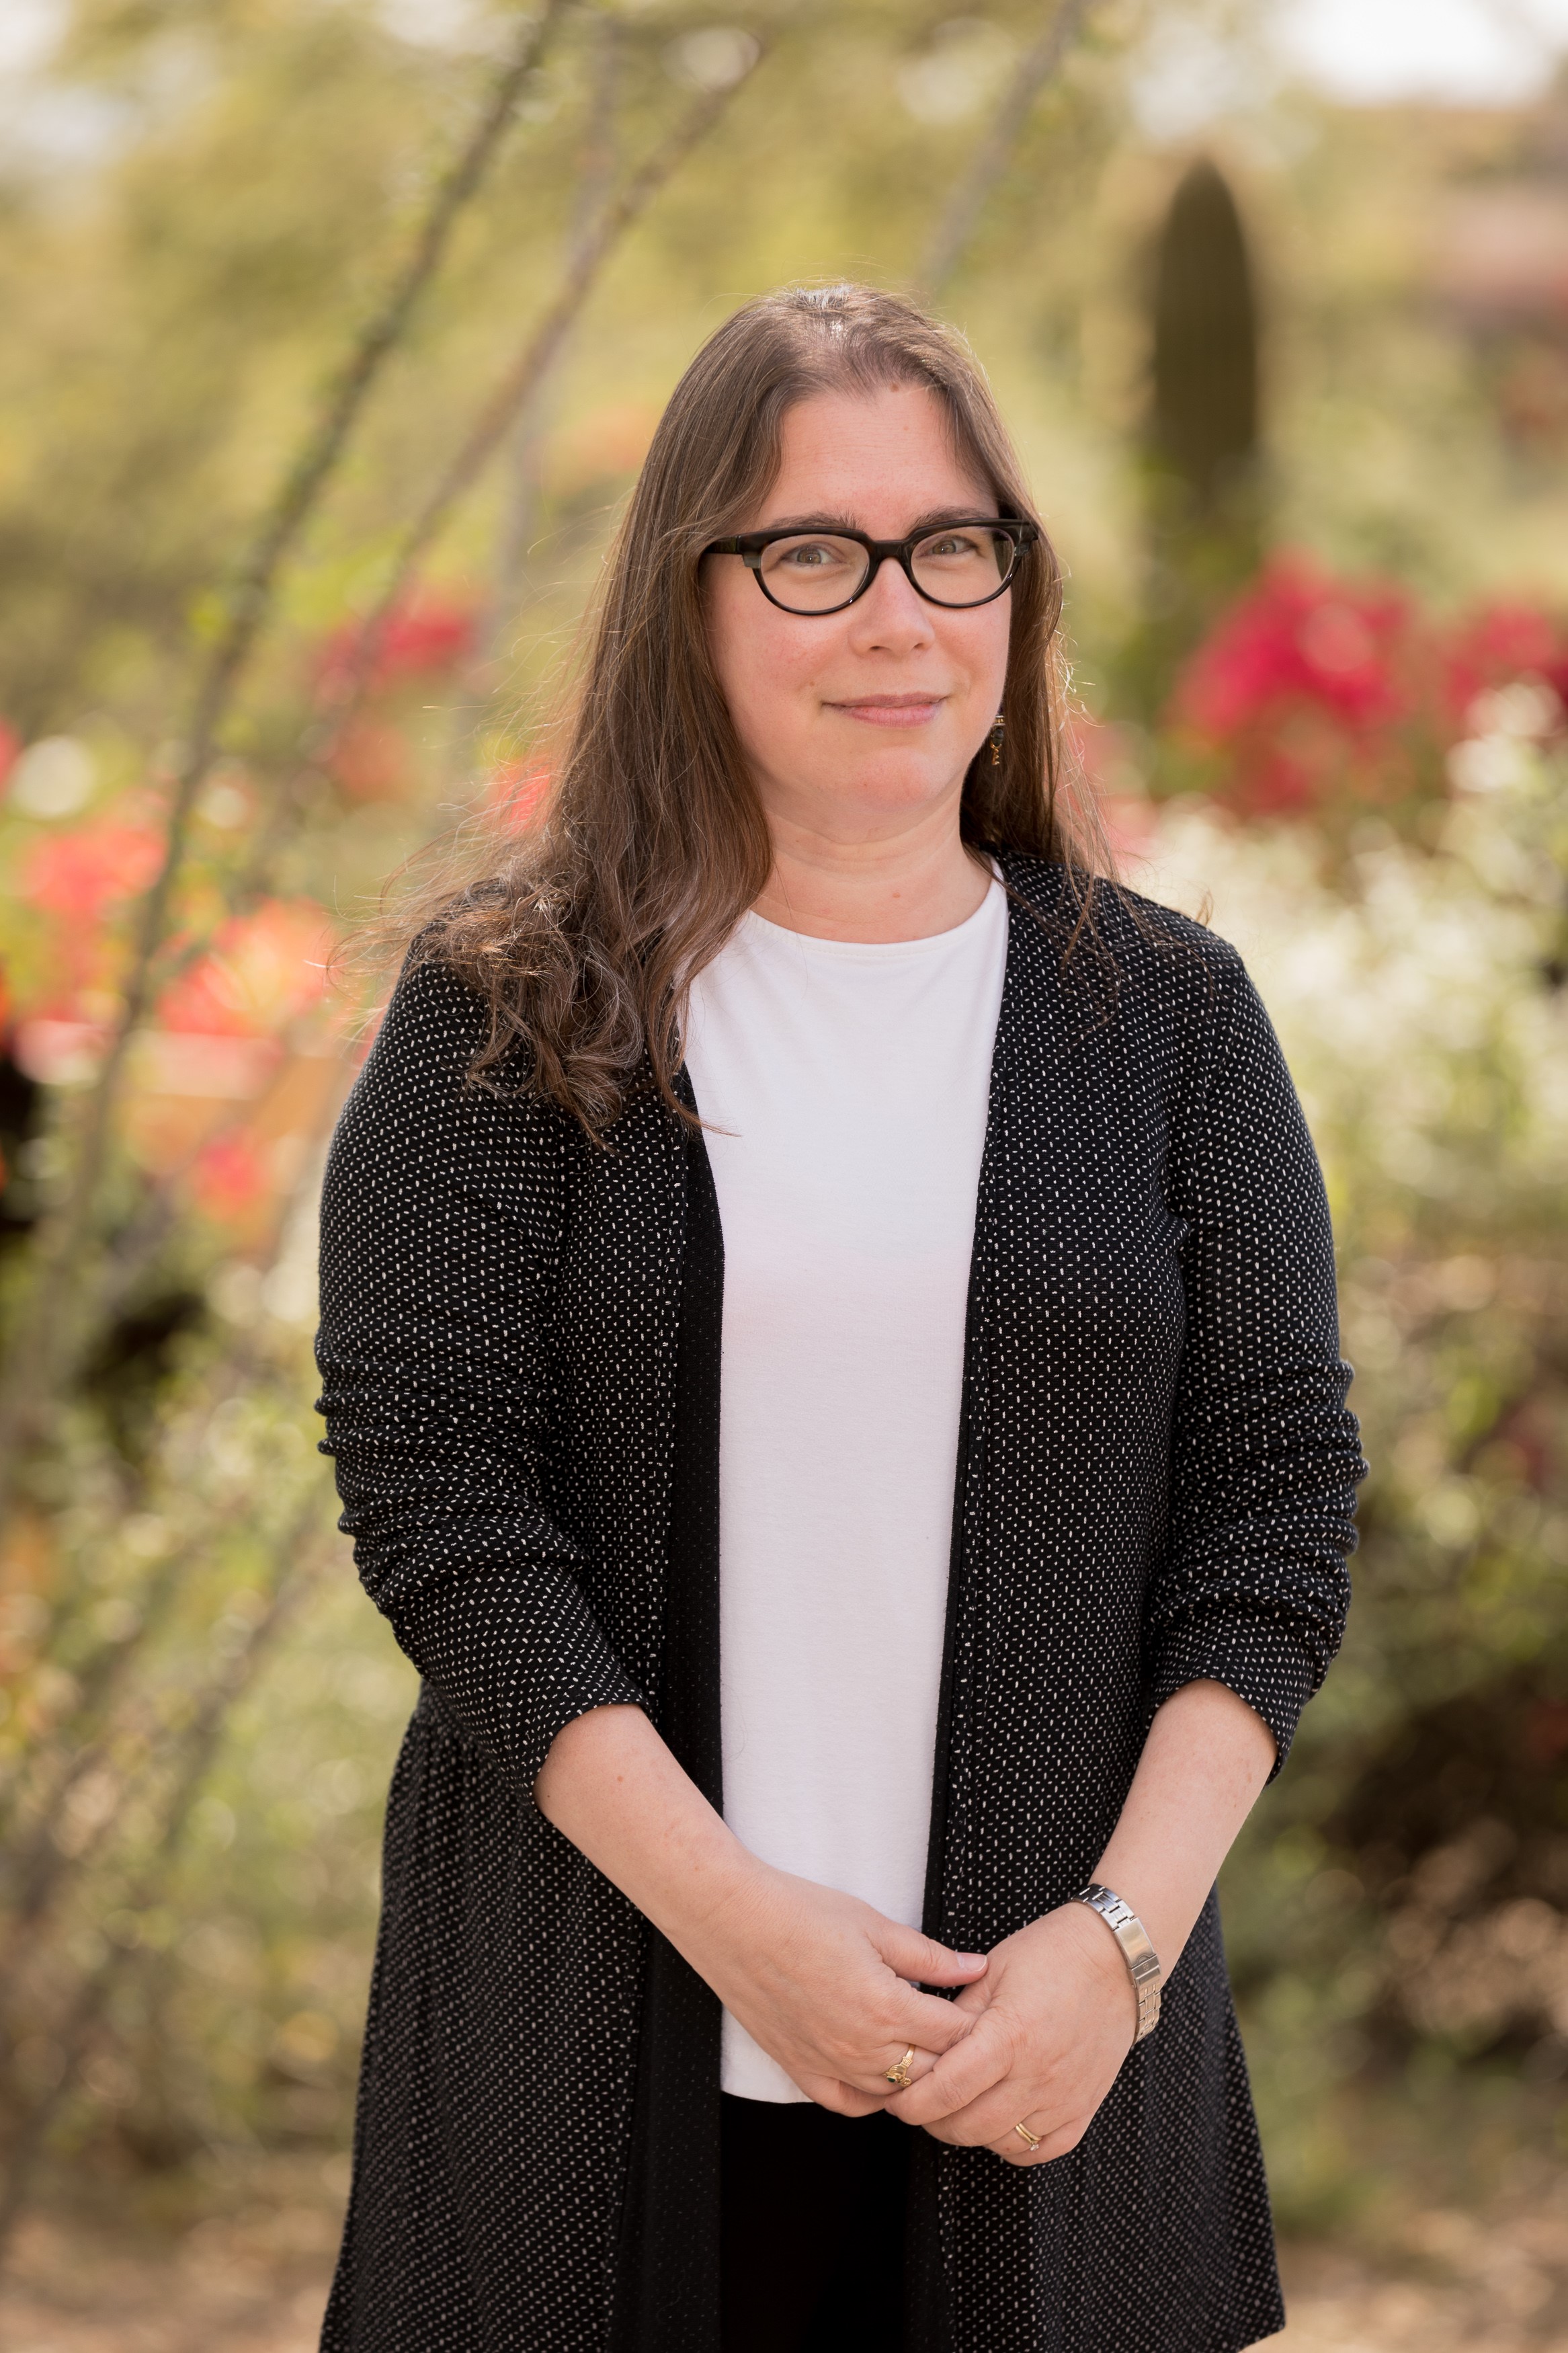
x: 962, y: 566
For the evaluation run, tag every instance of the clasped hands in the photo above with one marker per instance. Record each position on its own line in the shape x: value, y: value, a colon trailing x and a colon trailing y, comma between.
x: 831, y: 1988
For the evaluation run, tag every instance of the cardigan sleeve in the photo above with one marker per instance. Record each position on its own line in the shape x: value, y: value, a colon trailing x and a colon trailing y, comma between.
x: 442, y: 1216
x: 1253, y: 1588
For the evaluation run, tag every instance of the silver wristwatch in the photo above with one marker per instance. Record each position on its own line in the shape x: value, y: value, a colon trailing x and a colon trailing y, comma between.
x: 1142, y: 1961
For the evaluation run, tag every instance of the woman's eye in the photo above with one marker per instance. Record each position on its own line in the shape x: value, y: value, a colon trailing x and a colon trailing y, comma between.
x: 953, y: 542
x: 810, y: 556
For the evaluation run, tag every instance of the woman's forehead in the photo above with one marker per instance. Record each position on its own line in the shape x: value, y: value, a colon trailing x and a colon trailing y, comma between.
x: 842, y: 451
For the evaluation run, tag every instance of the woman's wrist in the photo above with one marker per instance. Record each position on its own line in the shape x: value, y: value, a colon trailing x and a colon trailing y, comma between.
x: 611, y: 1785
x: 1167, y: 1915
x: 1098, y: 1945
x: 1208, y: 1755
x: 705, y: 1898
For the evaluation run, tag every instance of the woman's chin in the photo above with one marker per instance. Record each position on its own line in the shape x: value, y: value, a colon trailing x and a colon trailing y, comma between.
x: 894, y: 782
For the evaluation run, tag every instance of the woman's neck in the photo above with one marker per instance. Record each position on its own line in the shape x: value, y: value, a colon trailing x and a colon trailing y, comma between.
x: 906, y: 887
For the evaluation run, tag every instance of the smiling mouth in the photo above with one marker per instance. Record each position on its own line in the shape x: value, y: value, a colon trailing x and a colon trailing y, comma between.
x: 892, y: 710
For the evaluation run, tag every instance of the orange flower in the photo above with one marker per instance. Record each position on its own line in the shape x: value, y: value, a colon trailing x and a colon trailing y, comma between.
x: 261, y: 973
x: 517, y: 788
x: 370, y: 759
x: 80, y: 876
x: 228, y: 1177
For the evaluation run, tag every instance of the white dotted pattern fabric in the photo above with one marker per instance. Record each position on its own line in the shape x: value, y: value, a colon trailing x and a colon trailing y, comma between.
x: 1156, y: 1483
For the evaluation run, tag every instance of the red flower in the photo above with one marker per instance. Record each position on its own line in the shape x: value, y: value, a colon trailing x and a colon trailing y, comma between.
x: 80, y: 876
x: 1297, y: 637
x: 262, y: 971
x: 431, y: 635
x: 1305, y: 686
x: 1498, y: 646
x: 10, y: 750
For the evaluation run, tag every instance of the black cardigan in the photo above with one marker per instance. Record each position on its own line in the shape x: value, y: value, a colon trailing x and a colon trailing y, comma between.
x: 519, y: 1356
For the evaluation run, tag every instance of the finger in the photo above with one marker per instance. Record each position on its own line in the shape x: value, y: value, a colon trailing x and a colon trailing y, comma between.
x: 925, y: 1962
x: 843, y: 2099
x: 963, y: 2074
x: 1014, y: 2149
x: 987, y: 2121
x: 878, y: 2082
x: 918, y: 2062
x: 910, y: 2020
x: 1021, y: 2144
x: 921, y: 2066
x: 929, y: 2023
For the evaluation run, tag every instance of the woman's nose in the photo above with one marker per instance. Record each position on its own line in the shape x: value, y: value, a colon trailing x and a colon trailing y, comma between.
x: 891, y: 612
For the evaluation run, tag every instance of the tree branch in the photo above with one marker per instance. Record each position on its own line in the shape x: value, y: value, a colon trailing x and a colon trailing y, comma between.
x: 961, y: 218
x: 292, y: 1581
x: 516, y: 388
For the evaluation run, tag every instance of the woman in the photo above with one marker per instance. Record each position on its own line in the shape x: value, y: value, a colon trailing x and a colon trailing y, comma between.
x: 829, y: 1344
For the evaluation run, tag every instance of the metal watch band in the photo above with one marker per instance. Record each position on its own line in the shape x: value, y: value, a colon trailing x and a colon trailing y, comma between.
x: 1142, y: 1961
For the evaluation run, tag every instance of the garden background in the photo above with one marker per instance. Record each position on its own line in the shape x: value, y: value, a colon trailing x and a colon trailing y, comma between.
x: 334, y: 331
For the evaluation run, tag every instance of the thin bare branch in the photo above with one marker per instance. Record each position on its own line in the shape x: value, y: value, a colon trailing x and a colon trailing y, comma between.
x: 516, y: 388
x: 202, y: 1741
x: 598, y: 168
x: 36, y: 1865
x: 961, y: 218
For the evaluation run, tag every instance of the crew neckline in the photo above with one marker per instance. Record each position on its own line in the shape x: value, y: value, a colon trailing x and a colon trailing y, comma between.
x: 871, y: 950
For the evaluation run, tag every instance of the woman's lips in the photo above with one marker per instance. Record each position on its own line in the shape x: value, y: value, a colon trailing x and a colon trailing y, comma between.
x: 893, y: 710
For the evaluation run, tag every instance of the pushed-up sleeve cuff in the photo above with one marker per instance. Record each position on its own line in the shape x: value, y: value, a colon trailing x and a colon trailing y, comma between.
x: 512, y: 1665
x: 1260, y: 1660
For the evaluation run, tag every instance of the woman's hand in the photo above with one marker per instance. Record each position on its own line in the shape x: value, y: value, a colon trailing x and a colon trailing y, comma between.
x: 1052, y: 2022
x: 821, y: 1981
x: 1056, y: 2014
x: 824, y: 1982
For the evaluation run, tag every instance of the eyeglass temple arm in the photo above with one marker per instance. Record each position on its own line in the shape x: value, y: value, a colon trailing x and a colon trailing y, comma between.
x: 752, y: 558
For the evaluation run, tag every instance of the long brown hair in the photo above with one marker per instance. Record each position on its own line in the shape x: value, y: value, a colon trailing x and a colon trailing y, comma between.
x: 583, y: 936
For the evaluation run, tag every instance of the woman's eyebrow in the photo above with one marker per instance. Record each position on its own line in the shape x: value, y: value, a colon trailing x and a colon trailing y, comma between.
x: 812, y: 522
x: 931, y: 521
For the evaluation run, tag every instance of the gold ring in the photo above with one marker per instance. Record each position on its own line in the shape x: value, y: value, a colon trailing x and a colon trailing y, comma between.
x: 899, y: 2077
x: 1025, y: 2135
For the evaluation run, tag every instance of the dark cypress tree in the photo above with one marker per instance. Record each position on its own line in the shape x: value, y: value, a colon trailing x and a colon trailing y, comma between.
x: 1202, y: 460
x: 1205, y: 423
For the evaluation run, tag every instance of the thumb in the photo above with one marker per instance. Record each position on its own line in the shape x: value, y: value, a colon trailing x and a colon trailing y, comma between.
x: 925, y: 1962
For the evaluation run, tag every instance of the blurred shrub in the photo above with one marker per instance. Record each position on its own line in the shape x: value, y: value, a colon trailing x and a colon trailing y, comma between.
x: 198, y: 1726
x: 1401, y: 1896
x: 1327, y: 697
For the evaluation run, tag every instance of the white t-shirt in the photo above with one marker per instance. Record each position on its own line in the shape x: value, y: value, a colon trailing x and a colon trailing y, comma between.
x: 843, y: 1089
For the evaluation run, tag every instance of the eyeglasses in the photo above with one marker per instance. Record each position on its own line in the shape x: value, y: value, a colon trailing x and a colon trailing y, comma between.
x: 958, y: 564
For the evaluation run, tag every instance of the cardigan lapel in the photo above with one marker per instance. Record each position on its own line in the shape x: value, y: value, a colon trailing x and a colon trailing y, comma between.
x: 666, y: 2294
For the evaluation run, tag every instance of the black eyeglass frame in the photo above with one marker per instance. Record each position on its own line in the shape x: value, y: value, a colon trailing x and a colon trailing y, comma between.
x: 749, y: 546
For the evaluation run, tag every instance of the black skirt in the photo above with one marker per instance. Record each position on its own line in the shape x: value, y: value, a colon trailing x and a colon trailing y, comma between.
x: 815, y: 2223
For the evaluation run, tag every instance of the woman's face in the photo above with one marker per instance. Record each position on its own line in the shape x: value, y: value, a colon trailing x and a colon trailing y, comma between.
x: 858, y: 723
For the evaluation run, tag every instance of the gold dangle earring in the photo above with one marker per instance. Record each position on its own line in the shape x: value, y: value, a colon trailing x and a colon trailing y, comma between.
x: 994, y: 740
